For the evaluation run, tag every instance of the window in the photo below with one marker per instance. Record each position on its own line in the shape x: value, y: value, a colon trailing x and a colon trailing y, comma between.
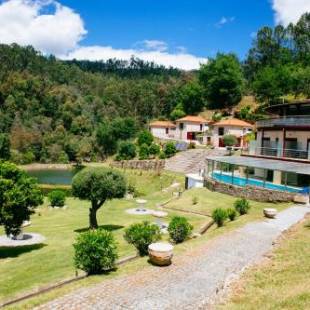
x: 221, y: 131
x: 167, y: 131
x: 201, y: 127
x: 181, y: 126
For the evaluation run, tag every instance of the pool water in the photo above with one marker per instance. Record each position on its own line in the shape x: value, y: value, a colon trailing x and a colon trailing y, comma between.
x: 226, y: 178
x: 53, y: 176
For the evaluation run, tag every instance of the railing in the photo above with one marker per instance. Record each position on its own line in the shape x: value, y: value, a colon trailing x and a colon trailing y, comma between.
x: 296, y: 120
x: 277, y: 152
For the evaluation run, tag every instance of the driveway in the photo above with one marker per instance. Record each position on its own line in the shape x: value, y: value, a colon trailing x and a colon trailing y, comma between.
x: 194, y: 279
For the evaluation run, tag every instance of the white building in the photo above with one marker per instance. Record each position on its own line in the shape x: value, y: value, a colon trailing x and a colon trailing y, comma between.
x: 232, y: 126
x: 163, y: 129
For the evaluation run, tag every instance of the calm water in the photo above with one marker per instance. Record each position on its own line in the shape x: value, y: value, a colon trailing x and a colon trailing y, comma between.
x: 50, y: 176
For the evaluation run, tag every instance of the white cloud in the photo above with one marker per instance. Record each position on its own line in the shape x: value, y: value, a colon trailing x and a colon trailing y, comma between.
x: 155, y: 45
x: 179, y: 60
x: 22, y: 22
x: 289, y: 11
x: 56, y: 29
x: 224, y: 20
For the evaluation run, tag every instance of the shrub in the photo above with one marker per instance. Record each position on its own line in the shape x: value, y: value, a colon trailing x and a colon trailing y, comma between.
x: 143, y: 152
x: 126, y: 151
x: 145, y: 137
x: 179, y: 229
x: 95, y: 251
x: 162, y: 155
x: 154, y: 149
x: 231, y: 213
x: 57, y: 198
x: 191, y: 145
x: 230, y: 140
x: 242, y: 206
x: 219, y: 216
x: 141, y: 235
x: 195, y: 200
x: 170, y: 149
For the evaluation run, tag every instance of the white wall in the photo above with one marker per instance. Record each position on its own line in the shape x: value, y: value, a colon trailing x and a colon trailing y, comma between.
x: 160, y: 132
x: 188, y: 127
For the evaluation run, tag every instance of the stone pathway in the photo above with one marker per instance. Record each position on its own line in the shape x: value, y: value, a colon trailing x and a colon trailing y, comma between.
x: 191, y: 161
x: 194, y: 279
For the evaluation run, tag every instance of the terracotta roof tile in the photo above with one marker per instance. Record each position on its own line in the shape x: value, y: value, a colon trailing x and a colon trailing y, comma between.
x: 193, y: 119
x: 164, y: 124
x: 233, y: 122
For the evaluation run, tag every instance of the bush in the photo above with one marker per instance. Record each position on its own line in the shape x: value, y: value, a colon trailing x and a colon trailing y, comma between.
x: 162, y: 155
x: 143, y: 152
x: 230, y: 140
x: 154, y: 149
x: 179, y: 229
x: 145, y: 137
x: 95, y: 251
x: 57, y: 198
x: 191, y: 146
x: 242, y: 206
x: 126, y: 151
x: 219, y: 216
x: 231, y: 213
x: 169, y: 149
x: 141, y: 235
x: 195, y: 200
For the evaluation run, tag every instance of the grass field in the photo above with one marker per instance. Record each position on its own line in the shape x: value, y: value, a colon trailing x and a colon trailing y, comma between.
x: 27, y: 269
x: 24, y: 269
x: 282, y: 282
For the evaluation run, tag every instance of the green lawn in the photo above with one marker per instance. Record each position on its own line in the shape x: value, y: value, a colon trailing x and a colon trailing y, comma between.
x: 27, y: 268
x: 281, y: 283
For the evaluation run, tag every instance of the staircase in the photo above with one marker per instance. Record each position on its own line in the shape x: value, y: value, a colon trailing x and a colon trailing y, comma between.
x: 191, y: 161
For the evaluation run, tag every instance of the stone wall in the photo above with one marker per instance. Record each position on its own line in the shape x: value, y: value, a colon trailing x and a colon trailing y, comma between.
x: 249, y: 192
x: 155, y: 165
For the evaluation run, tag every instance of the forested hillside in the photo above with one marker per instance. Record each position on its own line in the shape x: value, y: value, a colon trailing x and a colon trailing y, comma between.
x: 57, y: 111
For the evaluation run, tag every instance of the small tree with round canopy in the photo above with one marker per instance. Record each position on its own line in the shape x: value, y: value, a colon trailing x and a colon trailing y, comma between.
x: 98, y: 185
x: 19, y: 195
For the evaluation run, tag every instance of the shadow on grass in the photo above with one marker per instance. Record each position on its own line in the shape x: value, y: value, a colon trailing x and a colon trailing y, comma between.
x: 109, y: 227
x: 10, y: 252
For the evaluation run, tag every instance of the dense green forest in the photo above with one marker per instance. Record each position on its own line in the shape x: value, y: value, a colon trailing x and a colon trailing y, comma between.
x: 60, y: 111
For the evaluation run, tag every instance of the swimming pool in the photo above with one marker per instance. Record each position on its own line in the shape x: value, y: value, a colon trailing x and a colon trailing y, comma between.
x: 227, y: 178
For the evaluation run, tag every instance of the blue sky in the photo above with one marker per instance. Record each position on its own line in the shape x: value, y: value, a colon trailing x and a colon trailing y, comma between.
x: 181, y: 33
x: 193, y: 24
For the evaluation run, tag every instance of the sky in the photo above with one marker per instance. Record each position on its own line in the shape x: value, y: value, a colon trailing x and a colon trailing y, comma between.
x: 179, y: 33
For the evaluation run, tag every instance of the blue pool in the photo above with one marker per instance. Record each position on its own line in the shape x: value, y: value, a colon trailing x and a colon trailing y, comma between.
x: 226, y: 178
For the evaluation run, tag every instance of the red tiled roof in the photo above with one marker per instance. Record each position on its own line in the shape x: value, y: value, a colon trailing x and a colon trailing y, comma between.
x: 164, y: 124
x: 192, y: 119
x: 233, y: 122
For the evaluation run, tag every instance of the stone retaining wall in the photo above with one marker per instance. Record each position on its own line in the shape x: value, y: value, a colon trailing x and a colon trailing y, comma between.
x: 155, y: 165
x: 249, y: 192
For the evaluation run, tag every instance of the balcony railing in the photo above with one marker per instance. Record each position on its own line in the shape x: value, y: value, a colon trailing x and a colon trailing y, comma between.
x: 296, y: 120
x: 278, y: 152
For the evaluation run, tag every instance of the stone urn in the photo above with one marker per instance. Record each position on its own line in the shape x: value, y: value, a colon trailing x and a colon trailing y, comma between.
x: 18, y: 237
x: 270, y: 213
x: 141, y: 203
x: 161, y: 253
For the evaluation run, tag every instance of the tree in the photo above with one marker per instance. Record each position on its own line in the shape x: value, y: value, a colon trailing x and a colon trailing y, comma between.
x: 19, y: 195
x: 98, y: 185
x: 124, y: 128
x: 126, y: 151
x: 191, y: 97
x: 230, y: 140
x: 106, y: 140
x: 222, y: 79
x: 5, y: 146
x: 145, y: 137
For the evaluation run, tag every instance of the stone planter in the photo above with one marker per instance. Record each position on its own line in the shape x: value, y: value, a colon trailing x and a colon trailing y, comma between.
x: 161, y: 253
x: 141, y: 203
x: 301, y: 199
x: 270, y: 212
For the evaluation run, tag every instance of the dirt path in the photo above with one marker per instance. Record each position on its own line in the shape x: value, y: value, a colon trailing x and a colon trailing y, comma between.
x: 194, y: 279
